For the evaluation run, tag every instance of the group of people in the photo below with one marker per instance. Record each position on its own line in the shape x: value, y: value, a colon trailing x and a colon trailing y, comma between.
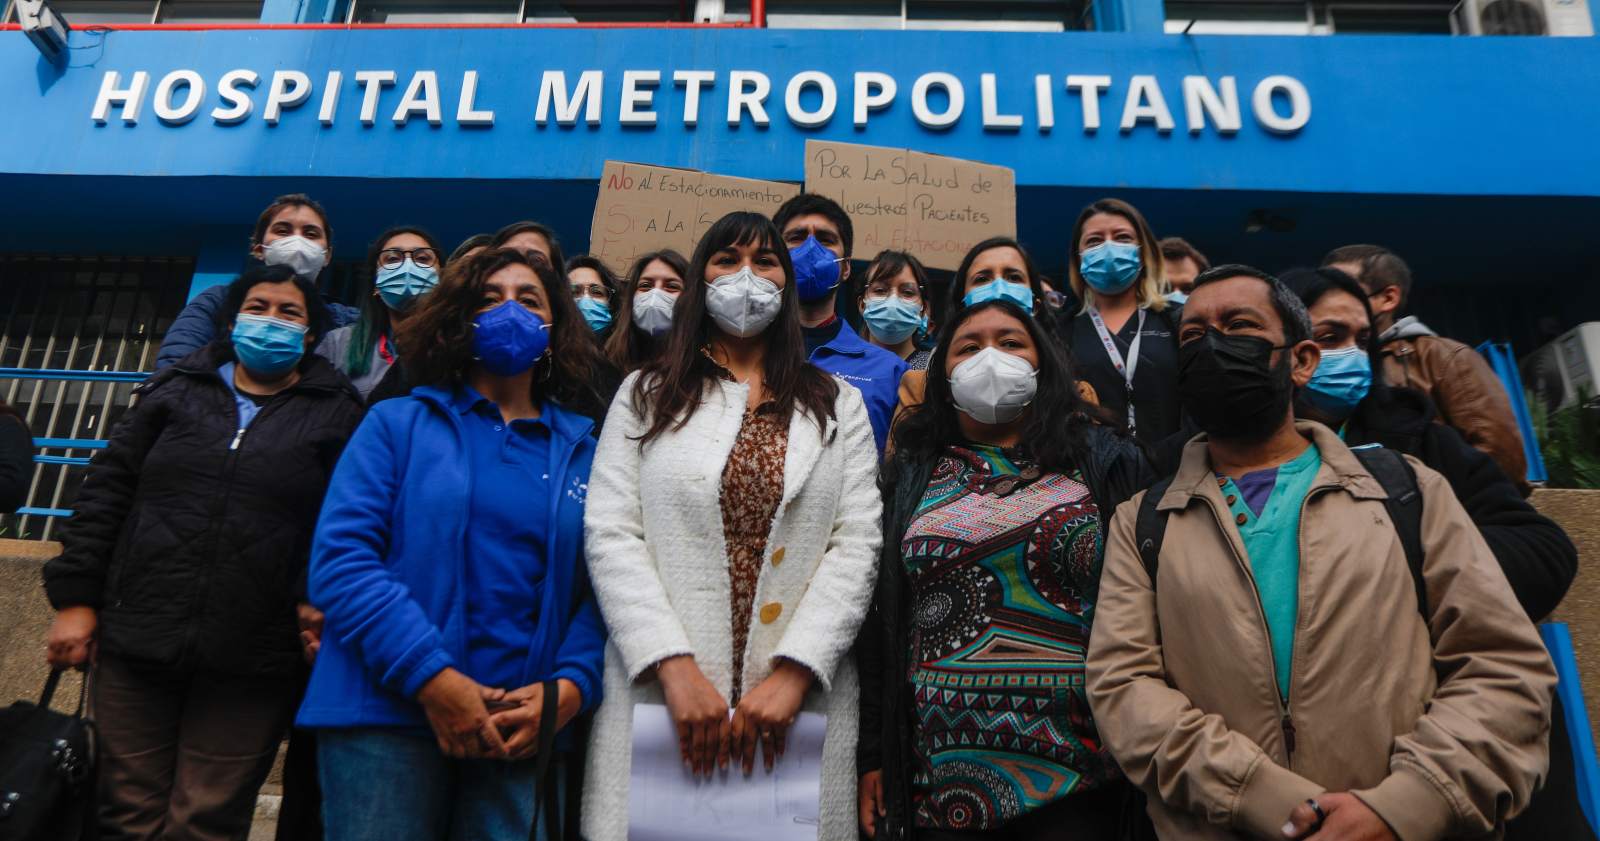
x: 1171, y: 551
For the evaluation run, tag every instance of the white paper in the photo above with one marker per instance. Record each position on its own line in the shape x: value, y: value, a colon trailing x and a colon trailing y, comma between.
x: 666, y: 803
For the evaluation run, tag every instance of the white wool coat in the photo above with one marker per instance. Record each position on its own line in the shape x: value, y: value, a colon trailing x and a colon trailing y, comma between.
x: 660, y: 570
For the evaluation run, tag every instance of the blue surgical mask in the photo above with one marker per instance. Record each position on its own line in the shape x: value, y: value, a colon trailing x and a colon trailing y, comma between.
x: 595, y: 314
x: 1341, y: 382
x: 268, y: 346
x: 1176, y: 297
x: 892, y: 320
x: 400, y: 286
x: 509, y: 339
x: 816, y: 270
x: 1000, y: 290
x: 1110, y: 267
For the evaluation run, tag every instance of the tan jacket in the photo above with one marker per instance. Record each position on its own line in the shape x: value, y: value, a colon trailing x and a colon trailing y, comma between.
x: 1464, y: 388
x: 1181, y: 676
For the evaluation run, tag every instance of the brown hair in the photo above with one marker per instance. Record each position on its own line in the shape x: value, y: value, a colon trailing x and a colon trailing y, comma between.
x: 627, y: 348
x: 436, y: 339
x: 1380, y: 268
x: 669, y: 388
x: 290, y: 200
x: 1178, y: 248
x: 1152, y: 282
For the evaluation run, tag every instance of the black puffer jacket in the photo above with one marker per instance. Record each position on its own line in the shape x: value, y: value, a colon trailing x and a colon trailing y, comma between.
x: 1114, y: 471
x: 1535, y: 554
x: 192, y: 538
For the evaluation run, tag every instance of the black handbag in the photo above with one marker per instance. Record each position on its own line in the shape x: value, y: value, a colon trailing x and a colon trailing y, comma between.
x: 47, y: 764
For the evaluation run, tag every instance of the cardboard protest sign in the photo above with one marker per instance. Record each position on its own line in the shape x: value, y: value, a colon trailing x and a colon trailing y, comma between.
x: 932, y: 206
x: 644, y: 208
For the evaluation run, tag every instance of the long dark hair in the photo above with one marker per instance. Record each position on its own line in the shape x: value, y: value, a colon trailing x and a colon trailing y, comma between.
x: 957, y: 298
x: 375, y: 321
x: 627, y: 348
x: 1056, y: 434
x: 669, y: 389
x: 436, y: 340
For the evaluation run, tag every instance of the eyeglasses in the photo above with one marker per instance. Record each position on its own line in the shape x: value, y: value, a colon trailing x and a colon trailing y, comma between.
x: 391, y: 258
x: 591, y: 290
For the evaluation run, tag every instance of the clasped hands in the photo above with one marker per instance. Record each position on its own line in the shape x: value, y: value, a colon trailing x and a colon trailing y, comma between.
x: 708, y: 738
x: 472, y: 721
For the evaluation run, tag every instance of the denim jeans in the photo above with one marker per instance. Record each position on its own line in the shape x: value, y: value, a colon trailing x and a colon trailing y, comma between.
x: 395, y: 785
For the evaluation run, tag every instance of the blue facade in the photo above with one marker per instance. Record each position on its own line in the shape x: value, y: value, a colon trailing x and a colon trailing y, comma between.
x: 1478, y: 153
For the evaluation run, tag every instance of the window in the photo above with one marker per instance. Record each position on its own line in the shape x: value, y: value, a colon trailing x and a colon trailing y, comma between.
x: 91, y: 12
x: 1010, y: 15
x: 1313, y: 17
x: 512, y: 11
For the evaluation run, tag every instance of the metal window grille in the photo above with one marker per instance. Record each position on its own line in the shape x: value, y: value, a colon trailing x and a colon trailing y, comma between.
x: 68, y: 324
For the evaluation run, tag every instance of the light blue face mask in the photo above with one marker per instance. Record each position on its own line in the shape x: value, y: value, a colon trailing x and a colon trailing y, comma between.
x: 1001, y: 290
x: 268, y: 346
x: 1342, y: 380
x: 892, y: 320
x: 1179, y: 298
x: 1110, y: 267
x: 400, y: 286
x: 595, y: 314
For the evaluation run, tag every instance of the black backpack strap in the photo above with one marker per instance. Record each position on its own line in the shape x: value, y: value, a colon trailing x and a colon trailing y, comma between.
x: 1150, y: 528
x: 545, y: 801
x: 1399, y: 481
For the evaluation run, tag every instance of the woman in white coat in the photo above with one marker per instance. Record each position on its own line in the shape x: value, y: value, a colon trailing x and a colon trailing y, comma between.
x: 732, y: 530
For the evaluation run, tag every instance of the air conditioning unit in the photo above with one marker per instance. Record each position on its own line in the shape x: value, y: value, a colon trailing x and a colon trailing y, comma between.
x: 1566, y: 370
x: 1522, y: 17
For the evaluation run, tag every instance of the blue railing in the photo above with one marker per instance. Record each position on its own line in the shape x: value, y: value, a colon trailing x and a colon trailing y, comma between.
x: 1504, y: 364
x: 69, y: 444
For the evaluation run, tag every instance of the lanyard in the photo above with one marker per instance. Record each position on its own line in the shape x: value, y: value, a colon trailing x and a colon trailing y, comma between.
x: 1127, y: 368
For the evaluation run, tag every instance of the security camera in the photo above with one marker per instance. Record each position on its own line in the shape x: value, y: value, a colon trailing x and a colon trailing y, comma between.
x: 46, y: 29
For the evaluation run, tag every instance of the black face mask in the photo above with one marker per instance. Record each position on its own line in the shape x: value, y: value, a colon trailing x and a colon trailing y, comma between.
x: 1230, y: 387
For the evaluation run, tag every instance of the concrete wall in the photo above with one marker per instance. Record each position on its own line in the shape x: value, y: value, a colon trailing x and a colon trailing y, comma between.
x: 27, y: 615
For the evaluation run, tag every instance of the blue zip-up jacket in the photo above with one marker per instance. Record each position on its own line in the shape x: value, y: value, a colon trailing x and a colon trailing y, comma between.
x: 874, y: 371
x: 388, y: 559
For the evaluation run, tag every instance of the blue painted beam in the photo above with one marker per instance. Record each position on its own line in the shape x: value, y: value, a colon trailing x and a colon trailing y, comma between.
x: 74, y: 376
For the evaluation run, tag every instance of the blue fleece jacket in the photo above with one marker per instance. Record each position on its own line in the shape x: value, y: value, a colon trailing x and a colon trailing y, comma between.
x: 388, y: 566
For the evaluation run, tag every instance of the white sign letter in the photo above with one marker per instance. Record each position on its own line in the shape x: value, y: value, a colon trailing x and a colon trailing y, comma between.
x: 330, y: 98
x: 372, y: 83
x: 824, y: 112
x: 422, y: 96
x: 992, y: 118
x: 554, y: 87
x: 289, y: 89
x: 130, y: 97
x: 1200, y: 99
x: 638, y: 97
x: 692, y: 80
x: 1044, y: 103
x: 239, y: 104
x: 1145, y: 102
x: 919, y: 100
x: 467, y: 113
x: 874, y: 92
x: 195, y: 91
x: 1089, y: 88
x: 741, y: 100
x: 1299, y: 104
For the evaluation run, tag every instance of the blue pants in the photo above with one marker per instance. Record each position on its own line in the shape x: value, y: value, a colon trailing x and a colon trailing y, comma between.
x: 395, y: 785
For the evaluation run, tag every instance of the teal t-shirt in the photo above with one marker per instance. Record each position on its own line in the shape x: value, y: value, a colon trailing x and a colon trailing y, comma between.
x: 1271, y: 534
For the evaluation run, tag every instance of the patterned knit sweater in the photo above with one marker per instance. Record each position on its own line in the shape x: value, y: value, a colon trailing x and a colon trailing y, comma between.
x: 1003, y: 570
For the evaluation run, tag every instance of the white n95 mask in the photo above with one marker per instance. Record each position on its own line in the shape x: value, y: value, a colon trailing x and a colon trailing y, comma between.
x: 994, y: 386
x: 743, y: 303
x: 652, y: 311
x: 304, y: 257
